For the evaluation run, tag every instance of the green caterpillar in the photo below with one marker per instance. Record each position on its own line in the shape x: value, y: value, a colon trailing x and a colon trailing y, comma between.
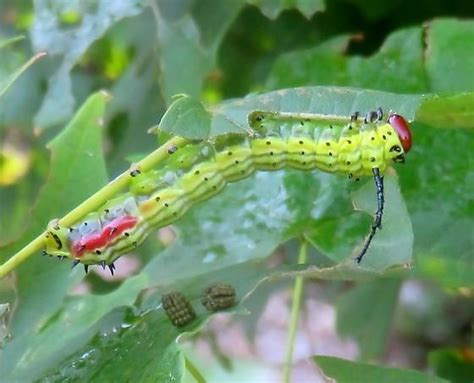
x: 346, y: 145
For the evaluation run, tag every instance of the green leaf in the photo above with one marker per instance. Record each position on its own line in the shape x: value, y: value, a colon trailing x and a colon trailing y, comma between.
x: 454, y: 111
x: 401, y: 65
x: 439, y: 199
x: 394, y: 243
x: 340, y: 232
x: 344, y: 371
x: 71, y: 327
x: 128, y: 118
x: 225, y: 49
x: 365, y: 313
x: 396, y: 67
x: 449, y: 55
x: 77, y: 169
x: 441, y: 256
x: 315, y: 99
x: 230, y: 254
x: 392, y: 246
x: 6, y: 83
x: 186, y: 117
x: 272, y: 8
x: 6, y: 42
x: 21, y: 101
x: 144, y: 348
x: 69, y: 42
x: 451, y: 364
x: 188, y: 38
x: 231, y: 116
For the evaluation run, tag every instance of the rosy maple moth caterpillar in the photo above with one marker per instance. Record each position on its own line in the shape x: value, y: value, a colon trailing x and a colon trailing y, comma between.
x: 350, y: 146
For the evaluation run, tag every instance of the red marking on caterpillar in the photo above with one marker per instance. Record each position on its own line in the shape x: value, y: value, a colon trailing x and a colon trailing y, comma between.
x: 102, y: 239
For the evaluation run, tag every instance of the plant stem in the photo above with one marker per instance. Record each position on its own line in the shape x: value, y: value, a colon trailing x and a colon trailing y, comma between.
x: 94, y: 202
x: 193, y: 370
x: 295, y: 313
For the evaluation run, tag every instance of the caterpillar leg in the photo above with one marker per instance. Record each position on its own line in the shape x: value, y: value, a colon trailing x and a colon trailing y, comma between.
x: 102, y: 263
x: 377, y: 224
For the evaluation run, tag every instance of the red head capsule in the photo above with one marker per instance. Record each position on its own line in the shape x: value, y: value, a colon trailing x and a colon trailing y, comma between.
x: 403, y: 130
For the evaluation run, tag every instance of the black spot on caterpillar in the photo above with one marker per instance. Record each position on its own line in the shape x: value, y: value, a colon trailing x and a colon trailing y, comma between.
x: 178, y: 308
x: 198, y: 171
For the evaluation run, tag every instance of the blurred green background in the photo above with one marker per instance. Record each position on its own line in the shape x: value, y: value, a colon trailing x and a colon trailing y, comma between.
x: 402, y: 310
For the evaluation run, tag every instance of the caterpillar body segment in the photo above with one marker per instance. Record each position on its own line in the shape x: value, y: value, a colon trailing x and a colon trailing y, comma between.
x: 355, y: 146
x: 235, y: 162
x: 349, y: 146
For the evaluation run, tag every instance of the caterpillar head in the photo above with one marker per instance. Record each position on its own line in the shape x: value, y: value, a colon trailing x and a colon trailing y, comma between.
x: 56, y: 240
x: 402, y: 129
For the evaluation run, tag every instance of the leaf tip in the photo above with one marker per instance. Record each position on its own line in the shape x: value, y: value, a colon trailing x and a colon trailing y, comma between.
x: 179, y: 96
x: 40, y: 55
x: 154, y: 129
x: 106, y: 95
